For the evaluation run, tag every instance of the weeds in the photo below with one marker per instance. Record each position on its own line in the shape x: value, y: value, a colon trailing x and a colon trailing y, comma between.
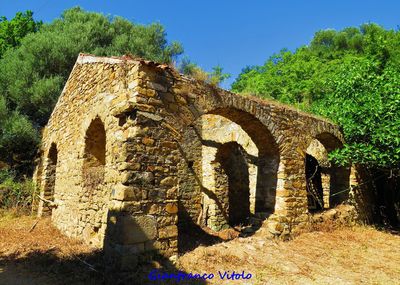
x: 16, y: 195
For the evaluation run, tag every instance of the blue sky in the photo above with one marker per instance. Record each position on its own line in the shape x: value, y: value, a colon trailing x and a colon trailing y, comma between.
x: 232, y: 33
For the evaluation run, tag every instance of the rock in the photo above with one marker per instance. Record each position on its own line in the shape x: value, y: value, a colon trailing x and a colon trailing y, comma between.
x: 171, y: 208
x: 148, y: 141
x: 168, y: 181
x: 168, y: 232
x: 135, y: 229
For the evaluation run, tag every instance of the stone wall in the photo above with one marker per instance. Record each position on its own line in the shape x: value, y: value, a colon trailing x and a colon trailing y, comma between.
x: 168, y: 143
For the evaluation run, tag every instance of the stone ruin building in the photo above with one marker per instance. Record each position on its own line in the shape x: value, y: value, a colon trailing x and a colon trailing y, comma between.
x: 134, y: 154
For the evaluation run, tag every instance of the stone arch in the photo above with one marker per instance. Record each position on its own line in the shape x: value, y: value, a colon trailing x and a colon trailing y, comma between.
x: 327, y: 183
x: 93, y: 173
x: 265, y: 158
x: 50, y: 178
x: 94, y: 153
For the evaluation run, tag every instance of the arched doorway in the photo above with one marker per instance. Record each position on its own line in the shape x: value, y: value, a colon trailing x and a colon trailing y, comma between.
x: 327, y: 183
x: 212, y: 147
x: 93, y: 173
x: 94, y: 155
x: 232, y: 182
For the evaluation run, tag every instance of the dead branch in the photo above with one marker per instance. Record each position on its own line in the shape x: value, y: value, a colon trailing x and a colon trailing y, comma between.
x: 52, y: 204
x: 33, y: 226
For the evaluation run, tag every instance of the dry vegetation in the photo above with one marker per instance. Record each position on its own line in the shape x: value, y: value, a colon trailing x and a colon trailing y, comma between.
x: 358, y: 255
x: 42, y: 255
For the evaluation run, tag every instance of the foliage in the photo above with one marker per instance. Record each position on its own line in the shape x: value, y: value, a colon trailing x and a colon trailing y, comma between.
x: 14, y: 30
x: 190, y: 68
x: 350, y: 76
x: 216, y: 77
x: 18, y: 139
x: 33, y: 74
x: 14, y: 193
x: 366, y: 103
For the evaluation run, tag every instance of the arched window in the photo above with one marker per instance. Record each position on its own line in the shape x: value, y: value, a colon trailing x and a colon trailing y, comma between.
x: 94, y: 155
x: 50, y: 179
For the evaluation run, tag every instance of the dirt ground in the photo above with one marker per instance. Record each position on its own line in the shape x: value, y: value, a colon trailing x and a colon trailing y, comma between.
x: 358, y: 255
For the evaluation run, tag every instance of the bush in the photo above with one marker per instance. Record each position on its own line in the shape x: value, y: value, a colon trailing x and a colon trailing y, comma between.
x: 16, y: 195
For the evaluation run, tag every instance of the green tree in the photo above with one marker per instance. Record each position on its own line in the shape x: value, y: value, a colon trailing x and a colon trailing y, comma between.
x: 216, y: 77
x: 32, y: 75
x: 350, y: 76
x: 365, y: 102
x: 14, y: 30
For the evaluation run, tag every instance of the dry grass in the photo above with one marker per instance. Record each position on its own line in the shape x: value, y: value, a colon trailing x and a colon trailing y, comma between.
x: 358, y: 255
x: 42, y: 255
x: 18, y: 240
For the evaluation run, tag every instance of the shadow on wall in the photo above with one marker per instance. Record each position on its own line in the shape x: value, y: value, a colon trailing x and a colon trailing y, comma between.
x: 387, y: 199
x: 191, y: 235
x: 222, y: 182
x: 96, y: 267
x: 232, y: 165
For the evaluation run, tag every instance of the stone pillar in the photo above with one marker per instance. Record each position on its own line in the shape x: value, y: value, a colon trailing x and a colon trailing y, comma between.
x: 143, y: 214
x: 361, y: 194
x: 354, y: 180
x: 326, y: 185
x: 213, y: 215
x: 252, y: 186
x: 291, y: 212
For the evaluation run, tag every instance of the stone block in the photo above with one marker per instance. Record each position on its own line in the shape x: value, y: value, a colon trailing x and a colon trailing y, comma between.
x: 135, y: 229
x: 148, y: 141
x: 129, y: 166
x: 172, y: 192
x: 125, y: 193
x: 168, y: 181
x: 171, y: 208
x: 156, y: 86
x: 167, y: 97
x: 131, y: 207
x: 168, y: 232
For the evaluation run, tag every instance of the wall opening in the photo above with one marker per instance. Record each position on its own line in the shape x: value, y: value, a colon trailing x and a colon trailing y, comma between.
x: 232, y: 181
x: 315, y: 194
x: 228, y: 174
x: 50, y: 179
x: 266, y: 159
x: 327, y: 183
x: 94, y: 155
x: 93, y: 172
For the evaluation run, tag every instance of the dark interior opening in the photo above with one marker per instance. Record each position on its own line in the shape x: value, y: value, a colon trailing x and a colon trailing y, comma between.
x: 314, y: 184
x: 231, y: 157
x: 50, y: 181
x: 95, y: 155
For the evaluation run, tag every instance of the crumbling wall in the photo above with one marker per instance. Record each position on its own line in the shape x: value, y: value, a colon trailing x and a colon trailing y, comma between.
x: 86, y: 96
x: 162, y: 134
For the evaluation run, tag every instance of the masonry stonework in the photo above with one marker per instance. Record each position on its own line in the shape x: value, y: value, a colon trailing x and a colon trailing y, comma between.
x: 134, y: 152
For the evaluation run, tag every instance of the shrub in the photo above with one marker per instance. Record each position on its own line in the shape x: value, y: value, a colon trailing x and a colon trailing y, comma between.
x: 16, y: 194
